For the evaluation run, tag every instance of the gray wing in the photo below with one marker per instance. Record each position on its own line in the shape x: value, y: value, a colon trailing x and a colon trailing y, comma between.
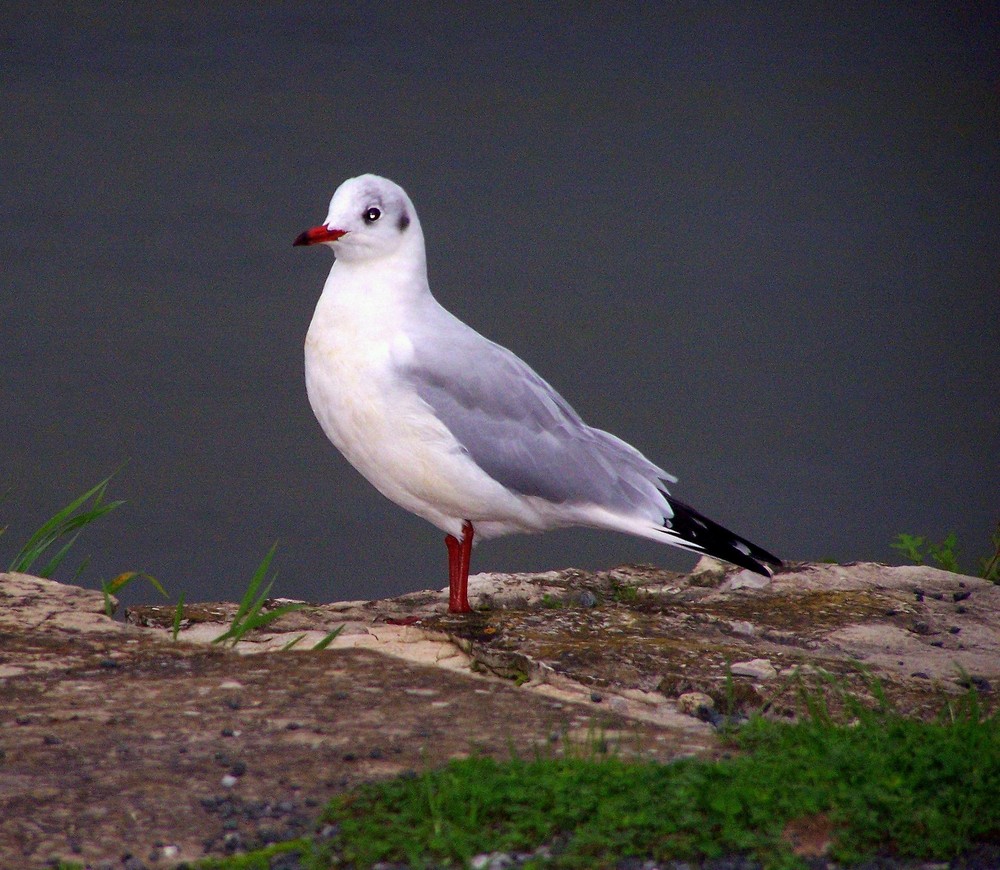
x: 521, y: 432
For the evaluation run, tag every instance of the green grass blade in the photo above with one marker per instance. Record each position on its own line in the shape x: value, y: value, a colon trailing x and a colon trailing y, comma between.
x: 248, y: 615
x: 57, y: 559
x: 109, y: 606
x: 178, y: 616
x: 110, y: 587
x: 247, y: 603
x: 326, y: 641
x: 254, y: 621
x: 80, y: 569
x: 65, y: 522
x: 126, y: 577
x: 254, y: 608
x: 49, y: 531
x: 881, y: 785
x: 259, y: 620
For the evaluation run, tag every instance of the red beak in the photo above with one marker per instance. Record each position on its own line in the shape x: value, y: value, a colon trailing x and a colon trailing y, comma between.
x: 318, y: 235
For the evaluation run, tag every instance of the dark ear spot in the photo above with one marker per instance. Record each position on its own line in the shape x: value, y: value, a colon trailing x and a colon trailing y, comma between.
x: 404, y: 221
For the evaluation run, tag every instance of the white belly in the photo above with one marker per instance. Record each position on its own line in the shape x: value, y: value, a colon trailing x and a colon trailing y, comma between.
x: 391, y: 436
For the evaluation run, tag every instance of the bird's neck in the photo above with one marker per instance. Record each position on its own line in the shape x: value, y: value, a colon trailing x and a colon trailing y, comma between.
x: 387, y: 286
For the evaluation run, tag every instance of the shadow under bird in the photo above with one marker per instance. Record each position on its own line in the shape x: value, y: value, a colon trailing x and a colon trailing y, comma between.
x: 454, y: 427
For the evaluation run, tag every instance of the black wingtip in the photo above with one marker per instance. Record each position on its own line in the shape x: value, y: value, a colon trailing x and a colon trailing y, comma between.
x: 715, y: 540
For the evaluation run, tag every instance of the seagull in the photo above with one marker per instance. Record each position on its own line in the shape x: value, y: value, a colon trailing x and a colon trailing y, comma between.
x: 455, y: 428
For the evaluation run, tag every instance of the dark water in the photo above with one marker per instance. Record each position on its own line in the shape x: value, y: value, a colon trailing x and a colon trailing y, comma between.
x: 764, y: 250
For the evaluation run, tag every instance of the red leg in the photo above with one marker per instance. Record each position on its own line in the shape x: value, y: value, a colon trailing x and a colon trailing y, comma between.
x: 459, y: 558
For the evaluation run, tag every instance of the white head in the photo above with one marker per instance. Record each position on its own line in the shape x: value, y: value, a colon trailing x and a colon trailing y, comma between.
x: 370, y: 218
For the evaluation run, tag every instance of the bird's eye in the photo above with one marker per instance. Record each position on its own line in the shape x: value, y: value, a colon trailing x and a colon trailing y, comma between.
x: 372, y: 215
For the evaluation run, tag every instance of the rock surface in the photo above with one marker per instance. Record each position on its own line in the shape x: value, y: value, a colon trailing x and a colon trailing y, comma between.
x: 117, y: 739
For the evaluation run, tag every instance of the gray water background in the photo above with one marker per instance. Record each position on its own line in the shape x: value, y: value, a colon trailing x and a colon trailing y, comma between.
x: 763, y: 248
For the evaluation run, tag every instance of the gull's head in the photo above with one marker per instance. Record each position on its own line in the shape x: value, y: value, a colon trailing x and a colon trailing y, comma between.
x: 370, y: 217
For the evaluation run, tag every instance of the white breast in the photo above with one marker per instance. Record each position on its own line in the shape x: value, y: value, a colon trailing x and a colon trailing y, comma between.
x: 354, y: 350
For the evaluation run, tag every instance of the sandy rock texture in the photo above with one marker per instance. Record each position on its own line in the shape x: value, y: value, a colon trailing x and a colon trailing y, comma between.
x: 118, y: 741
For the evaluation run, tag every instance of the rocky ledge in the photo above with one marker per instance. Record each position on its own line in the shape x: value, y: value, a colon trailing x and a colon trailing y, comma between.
x: 121, y: 746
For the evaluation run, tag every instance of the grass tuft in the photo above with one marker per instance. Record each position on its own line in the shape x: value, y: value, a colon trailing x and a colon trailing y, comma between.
x: 323, y: 643
x: 63, y: 527
x: 121, y: 581
x: 249, y: 615
x: 882, y: 784
x: 175, y: 628
x: 918, y: 549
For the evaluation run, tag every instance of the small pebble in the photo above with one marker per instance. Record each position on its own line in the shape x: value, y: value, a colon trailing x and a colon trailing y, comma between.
x: 228, y: 781
x: 980, y: 684
x: 719, y: 721
x: 286, y: 861
x: 492, y: 861
x: 692, y: 703
x: 960, y: 596
x: 596, y: 697
x: 51, y: 740
x: 760, y: 669
x: 269, y: 835
x: 238, y: 769
x: 710, y: 715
